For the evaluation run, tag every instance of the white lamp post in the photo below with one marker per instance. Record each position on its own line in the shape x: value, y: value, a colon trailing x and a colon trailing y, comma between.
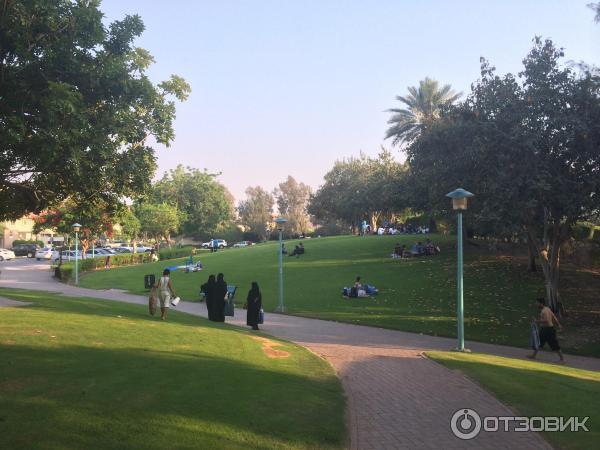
x: 459, y: 203
x: 280, y: 221
x: 76, y: 228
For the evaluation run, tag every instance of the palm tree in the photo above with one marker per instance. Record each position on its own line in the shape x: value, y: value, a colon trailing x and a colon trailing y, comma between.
x: 423, y: 108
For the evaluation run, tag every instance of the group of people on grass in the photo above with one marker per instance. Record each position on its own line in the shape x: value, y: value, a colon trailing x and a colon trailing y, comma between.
x: 298, y: 250
x: 216, y: 293
x: 417, y: 249
x: 392, y: 229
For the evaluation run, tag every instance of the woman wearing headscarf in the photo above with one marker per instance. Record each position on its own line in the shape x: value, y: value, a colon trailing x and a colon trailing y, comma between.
x: 209, y: 295
x: 165, y: 293
x: 254, y: 303
x: 219, y: 304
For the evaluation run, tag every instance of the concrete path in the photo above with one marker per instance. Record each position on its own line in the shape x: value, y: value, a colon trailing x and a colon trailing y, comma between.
x: 397, y: 398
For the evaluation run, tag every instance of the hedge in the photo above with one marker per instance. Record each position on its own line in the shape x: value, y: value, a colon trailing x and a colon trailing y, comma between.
x: 65, y: 271
x: 23, y: 241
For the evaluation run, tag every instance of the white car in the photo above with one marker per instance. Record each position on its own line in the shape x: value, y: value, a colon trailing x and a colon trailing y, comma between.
x: 67, y: 255
x: 244, y: 244
x: 6, y: 254
x: 221, y: 243
x: 44, y: 253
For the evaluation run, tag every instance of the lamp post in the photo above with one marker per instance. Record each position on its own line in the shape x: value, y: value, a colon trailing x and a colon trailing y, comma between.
x: 76, y: 228
x: 280, y: 221
x: 459, y: 203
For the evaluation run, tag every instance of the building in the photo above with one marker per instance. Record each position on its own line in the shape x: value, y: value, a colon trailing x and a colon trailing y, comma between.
x: 22, y: 229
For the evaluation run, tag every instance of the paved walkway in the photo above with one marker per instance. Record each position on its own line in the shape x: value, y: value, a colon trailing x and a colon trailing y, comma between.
x: 397, y: 398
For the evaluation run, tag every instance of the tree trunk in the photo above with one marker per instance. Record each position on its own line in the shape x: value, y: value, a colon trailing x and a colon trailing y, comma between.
x: 432, y: 224
x: 555, y: 234
x: 531, y: 251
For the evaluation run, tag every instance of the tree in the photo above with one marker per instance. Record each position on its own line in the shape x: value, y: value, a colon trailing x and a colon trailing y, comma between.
x: 204, y: 204
x: 159, y: 220
x: 422, y: 109
x: 292, y: 202
x: 130, y: 224
x: 256, y: 211
x: 96, y: 219
x: 362, y: 188
x: 528, y: 150
x: 77, y: 107
x: 596, y: 8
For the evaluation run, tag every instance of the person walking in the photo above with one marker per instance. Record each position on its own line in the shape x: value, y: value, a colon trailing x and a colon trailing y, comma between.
x: 547, y: 331
x: 254, y: 304
x: 220, y: 295
x: 165, y: 293
x: 209, y: 295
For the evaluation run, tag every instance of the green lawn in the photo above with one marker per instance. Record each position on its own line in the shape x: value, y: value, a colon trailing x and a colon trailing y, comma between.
x: 79, y: 373
x: 537, y: 389
x: 415, y: 295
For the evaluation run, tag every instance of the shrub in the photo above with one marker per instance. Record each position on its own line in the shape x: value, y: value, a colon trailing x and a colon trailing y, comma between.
x: 583, y: 231
x: 23, y: 241
x: 172, y: 253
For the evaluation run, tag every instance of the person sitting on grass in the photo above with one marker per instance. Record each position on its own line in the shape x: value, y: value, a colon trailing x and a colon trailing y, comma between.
x: 429, y: 247
x: 547, y: 331
x: 358, y: 289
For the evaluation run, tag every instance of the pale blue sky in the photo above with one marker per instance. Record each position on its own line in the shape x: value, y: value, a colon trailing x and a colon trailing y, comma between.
x: 287, y: 87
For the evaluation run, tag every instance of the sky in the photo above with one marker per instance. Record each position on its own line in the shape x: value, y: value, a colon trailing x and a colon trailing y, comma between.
x: 288, y: 87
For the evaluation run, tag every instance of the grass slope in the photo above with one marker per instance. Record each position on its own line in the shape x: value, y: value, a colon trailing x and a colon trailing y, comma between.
x: 536, y: 389
x: 80, y: 374
x: 415, y: 295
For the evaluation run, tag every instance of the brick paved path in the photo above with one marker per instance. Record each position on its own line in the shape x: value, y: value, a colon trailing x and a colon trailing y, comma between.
x: 397, y: 399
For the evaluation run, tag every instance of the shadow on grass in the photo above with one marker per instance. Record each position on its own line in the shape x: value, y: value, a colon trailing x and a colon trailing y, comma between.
x: 85, y: 397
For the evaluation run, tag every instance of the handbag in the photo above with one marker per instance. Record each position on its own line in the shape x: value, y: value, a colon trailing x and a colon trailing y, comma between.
x: 261, y: 316
x: 229, y: 307
x: 153, y: 301
x: 175, y: 301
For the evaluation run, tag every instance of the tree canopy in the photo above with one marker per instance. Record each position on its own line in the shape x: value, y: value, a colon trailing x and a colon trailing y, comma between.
x: 204, y: 204
x: 76, y: 107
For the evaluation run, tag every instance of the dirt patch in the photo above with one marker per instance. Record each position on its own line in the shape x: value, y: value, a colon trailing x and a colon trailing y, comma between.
x: 268, y: 347
x: 12, y: 385
x: 9, y: 342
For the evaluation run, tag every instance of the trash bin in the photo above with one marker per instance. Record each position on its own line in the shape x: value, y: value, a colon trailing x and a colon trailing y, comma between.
x: 149, y: 281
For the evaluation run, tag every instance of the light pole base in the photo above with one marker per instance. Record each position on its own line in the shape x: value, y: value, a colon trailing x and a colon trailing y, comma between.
x: 464, y: 350
x: 280, y: 309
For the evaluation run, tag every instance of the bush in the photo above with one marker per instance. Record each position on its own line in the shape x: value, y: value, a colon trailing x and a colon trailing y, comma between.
x: 583, y: 231
x: 23, y: 241
x: 172, y: 253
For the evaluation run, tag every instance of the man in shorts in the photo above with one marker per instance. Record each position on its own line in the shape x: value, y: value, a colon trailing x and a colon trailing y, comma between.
x: 547, y: 331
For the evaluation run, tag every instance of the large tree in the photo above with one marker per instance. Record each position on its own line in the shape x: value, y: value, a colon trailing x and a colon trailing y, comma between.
x: 527, y: 147
x: 205, y: 206
x: 421, y: 109
x: 256, y: 211
x: 158, y: 220
x: 76, y: 106
x: 361, y: 188
x: 292, y: 202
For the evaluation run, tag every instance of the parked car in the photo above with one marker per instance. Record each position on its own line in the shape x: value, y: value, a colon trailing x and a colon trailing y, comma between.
x: 44, y: 253
x: 67, y: 255
x: 243, y: 244
x: 119, y: 250
x: 222, y: 243
x: 25, y: 250
x: 6, y: 254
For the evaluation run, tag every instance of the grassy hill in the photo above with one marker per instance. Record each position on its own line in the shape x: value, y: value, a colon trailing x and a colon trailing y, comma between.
x: 80, y: 373
x: 415, y: 295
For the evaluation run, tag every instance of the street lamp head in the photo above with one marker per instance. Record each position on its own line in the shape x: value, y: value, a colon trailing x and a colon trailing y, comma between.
x: 459, y: 198
x: 76, y: 227
x: 280, y: 221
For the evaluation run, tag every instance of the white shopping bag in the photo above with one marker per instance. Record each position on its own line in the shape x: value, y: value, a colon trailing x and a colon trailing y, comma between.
x: 175, y: 301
